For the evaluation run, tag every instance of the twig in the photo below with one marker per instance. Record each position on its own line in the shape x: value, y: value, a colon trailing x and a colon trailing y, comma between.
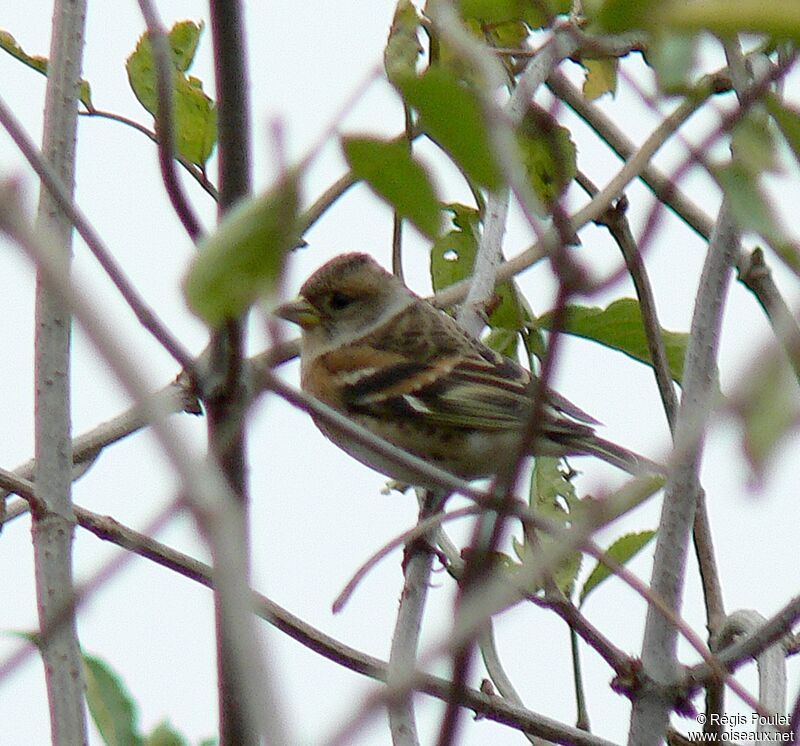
x: 662, y: 186
x: 193, y: 170
x: 57, y: 188
x: 205, y: 488
x: 771, y: 662
x: 757, y: 277
x: 753, y: 644
x: 417, y: 566
x: 421, y: 529
x: 165, y: 119
x: 618, y: 226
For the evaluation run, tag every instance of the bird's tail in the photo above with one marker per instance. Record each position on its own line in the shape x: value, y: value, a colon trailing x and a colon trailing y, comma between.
x: 633, y: 463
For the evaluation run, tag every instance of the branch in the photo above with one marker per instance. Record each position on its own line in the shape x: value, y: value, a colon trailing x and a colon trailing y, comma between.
x: 165, y: 119
x: 192, y: 169
x: 54, y: 519
x: 651, y: 711
x: 417, y: 566
x: 63, y: 197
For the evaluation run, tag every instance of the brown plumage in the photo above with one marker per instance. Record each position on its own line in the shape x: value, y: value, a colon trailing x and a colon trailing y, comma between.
x: 389, y: 360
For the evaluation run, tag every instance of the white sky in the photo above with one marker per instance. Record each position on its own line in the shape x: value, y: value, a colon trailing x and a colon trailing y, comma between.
x: 316, y: 514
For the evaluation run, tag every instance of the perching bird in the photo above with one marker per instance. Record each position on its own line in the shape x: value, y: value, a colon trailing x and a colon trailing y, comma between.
x: 387, y: 359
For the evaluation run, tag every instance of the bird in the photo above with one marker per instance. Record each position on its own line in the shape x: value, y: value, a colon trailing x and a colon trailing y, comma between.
x: 390, y: 361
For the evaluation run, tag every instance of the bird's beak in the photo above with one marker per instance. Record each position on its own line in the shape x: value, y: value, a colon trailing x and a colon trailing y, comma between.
x: 299, y: 311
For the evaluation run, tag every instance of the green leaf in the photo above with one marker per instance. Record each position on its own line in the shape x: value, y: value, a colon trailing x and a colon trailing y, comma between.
x: 753, y: 211
x: 752, y: 144
x: 616, y: 16
x: 495, y: 13
x: 673, y: 55
x: 620, y: 327
x: 243, y: 259
x: 552, y: 495
x: 164, y: 735
x: 395, y: 176
x: 777, y: 18
x: 600, y: 77
x: 195, y: 112
x: 548, y: 154
x: 184, y: 37
x: 769, y: 411
x: 35, y: 62
x: 111, y: 706
x: 504, y: 341
x: 451, y: 114
x: 453, y: 258
x: 622, y: 550
x: 403, y: 47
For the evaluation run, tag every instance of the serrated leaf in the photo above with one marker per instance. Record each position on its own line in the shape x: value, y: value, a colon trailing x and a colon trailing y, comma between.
x: 395, y: 176
x: 111, y: 706
x: 777, y: 18
x: 195, y: 113
x: 35, y: 62
x: 600, y: 77
x: 547, y: 154
x: 453, y: 258
x: 622, y: 550
x: 165, y: 735
x: 450, y: 113
x: 620, y: 327
x: 243, y: 259
x: 403, y: 47
x: 184, y: 37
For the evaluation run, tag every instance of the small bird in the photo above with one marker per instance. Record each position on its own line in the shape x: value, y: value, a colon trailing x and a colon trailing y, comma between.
x: 387, y: 359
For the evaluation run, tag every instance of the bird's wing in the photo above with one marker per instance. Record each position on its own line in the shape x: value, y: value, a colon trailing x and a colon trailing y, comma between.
x: 436, y: 374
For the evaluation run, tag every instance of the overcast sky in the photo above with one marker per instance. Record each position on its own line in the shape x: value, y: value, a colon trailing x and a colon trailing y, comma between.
x: 316, y: 514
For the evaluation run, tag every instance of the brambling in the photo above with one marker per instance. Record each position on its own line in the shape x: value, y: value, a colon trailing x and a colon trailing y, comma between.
x: 387, y: 359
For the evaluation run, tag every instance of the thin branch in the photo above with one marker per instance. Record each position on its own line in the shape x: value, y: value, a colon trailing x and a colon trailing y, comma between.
x: 493, y: 708
x: 421, y: 529
x: 662, y: 186
x: 757, y: 277
x: 417, y: 566
x: 165, y: 119
x: 192, y: 169
x: 57, y: 188
x: 620, y: 662
x: 201, y: 481
x: 752, y: 644
x: 771, y: 662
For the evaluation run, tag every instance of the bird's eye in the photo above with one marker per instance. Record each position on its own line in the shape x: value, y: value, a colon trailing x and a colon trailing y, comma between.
x: 339, y: 301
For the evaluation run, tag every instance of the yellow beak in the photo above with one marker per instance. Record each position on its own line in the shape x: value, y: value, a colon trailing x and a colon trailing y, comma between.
x: 299, y: 311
